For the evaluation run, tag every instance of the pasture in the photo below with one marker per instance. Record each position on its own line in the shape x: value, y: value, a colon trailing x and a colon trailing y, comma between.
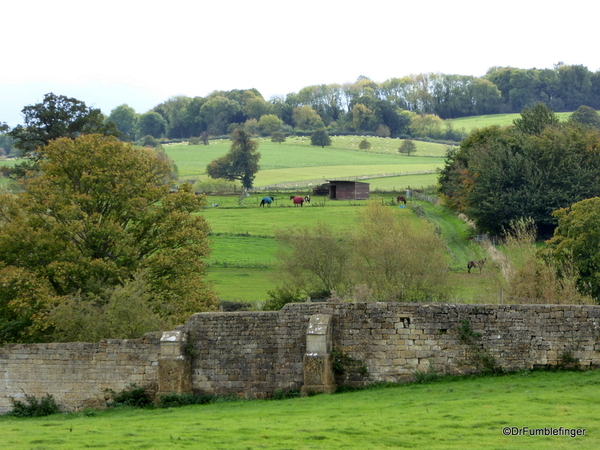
x: 450, y: 413
x: 296, y: 160
x: 502, y: 120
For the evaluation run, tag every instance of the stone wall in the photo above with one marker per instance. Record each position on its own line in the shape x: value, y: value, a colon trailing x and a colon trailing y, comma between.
x: 252, y: 354
x: 77, y: 374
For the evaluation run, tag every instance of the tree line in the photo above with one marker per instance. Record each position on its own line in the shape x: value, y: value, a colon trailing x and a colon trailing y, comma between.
x: 411, y: 106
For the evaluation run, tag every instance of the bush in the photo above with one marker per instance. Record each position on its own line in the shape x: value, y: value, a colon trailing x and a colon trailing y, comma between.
x: 133, y: 395
x: 174, y: 400
x: 32, y: 407
x: 281, y: 296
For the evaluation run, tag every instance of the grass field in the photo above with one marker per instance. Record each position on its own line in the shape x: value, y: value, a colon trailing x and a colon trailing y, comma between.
x: 446, y: 414
x: 297, y: 160
x: 503, y: 120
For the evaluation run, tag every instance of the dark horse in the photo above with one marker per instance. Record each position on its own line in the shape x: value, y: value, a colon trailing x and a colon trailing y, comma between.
x: 297, y: 200
x: 267, y: 201
x: 401, y: 198
x: 476, y: 264
x: 307, y: 199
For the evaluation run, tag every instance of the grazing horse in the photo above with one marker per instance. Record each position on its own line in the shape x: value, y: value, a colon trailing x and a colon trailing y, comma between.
x: 401, y: 198
x: 297, y: 200
x: 307, y: 199
x: 267, y: 201
x: 478, y: 264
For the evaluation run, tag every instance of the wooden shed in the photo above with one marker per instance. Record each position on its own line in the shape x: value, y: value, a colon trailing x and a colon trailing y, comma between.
x: 348, y: 190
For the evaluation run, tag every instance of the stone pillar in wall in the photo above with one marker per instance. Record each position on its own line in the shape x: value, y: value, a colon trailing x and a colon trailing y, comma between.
x: 174, y: 364
x: 318, y: 363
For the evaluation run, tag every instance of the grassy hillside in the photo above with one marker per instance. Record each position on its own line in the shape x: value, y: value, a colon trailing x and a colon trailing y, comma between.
x: 297, y: 160
x: 503, y: 120
x: 450, y: 414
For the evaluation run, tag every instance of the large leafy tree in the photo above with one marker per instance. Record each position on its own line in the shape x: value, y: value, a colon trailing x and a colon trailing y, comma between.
x: 58, y: 116
x: 98, y: 215
x: 499, y: 175
x: 125, y: 119
x: 577, y: 239
x: 240, y: 163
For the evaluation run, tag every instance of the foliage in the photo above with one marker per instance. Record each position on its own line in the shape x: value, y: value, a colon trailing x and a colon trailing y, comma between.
x: 216, y: 186
x: 577, y: 240
x: 385, y: 255
x: 120, y: 312
x: 531, y: 276
x: 586, y: 116
x: 125, y: 119
x: 481, y: 357
x: 502, y: 174
x: 364, y: 145
x: 314, y: 258
x: 98, y: 214
x: 320, y: 138
x: 133, y: 396
x: 278, y: 137
x: 57, y: 116
x: 151, y: 124
x: 174, y: 400
x: 32, y: 407
x: 269, y: 124
x: 535, y: 119
x: 397, y: 259
x: 281, y: 296
x: 407, y: 147
x: 241, y: 163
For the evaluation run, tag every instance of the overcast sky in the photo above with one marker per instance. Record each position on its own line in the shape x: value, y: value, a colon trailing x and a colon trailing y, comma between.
x: 141, y: 53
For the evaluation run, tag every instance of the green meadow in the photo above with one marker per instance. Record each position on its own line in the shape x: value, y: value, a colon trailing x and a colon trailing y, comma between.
x: 451, y: 413
x: 296, y: 160
x: 243, y: 265
x: 502, y: 120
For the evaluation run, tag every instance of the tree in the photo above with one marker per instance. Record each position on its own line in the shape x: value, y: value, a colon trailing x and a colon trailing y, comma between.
x: 577, y: 238
x: 364, y: 145
x: 407, y: 147
x: 151, y: 124
x: 269, y: 124
x: 586, y: 116
x: 98, y: 215
x: 499, y: 175
x: 535, y: 119
x: 320, y: 138
x: 278, y: 136
x: 125, y: 119
x: 240, y: 163
x: 58, y: 116
x: 306, y: 118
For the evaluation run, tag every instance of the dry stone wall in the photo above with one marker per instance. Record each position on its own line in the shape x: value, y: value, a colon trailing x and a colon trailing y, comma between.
x: 77, y: 374
x: 253, y: 354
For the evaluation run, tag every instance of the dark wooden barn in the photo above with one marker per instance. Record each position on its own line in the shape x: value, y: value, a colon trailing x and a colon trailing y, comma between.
x: 348, y: 190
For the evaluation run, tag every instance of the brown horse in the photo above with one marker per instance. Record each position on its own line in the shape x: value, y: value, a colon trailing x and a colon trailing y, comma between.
x: 297, y: 200
x: 476, y: 264
x: 401, y: 198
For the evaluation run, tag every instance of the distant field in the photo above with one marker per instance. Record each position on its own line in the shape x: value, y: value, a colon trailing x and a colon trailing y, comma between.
x: 503, y: 120
x: 297, y: 160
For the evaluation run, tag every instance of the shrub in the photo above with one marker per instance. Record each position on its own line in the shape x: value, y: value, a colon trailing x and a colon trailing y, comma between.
x: 134, y: 395
x: 32, y: 407
x: 281, y: 296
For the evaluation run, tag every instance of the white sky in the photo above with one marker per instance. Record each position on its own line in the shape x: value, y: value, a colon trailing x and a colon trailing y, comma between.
x: 142, y: 52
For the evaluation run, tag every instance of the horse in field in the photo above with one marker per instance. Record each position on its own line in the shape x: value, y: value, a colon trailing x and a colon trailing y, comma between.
x: 401, y: 198
x: 297, y: 200
x: 476, y: 264
x: 307, y: 199
x: 267, y: 201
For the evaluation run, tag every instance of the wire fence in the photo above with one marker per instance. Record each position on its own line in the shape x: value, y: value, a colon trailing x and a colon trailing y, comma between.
x: 311, y: 183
